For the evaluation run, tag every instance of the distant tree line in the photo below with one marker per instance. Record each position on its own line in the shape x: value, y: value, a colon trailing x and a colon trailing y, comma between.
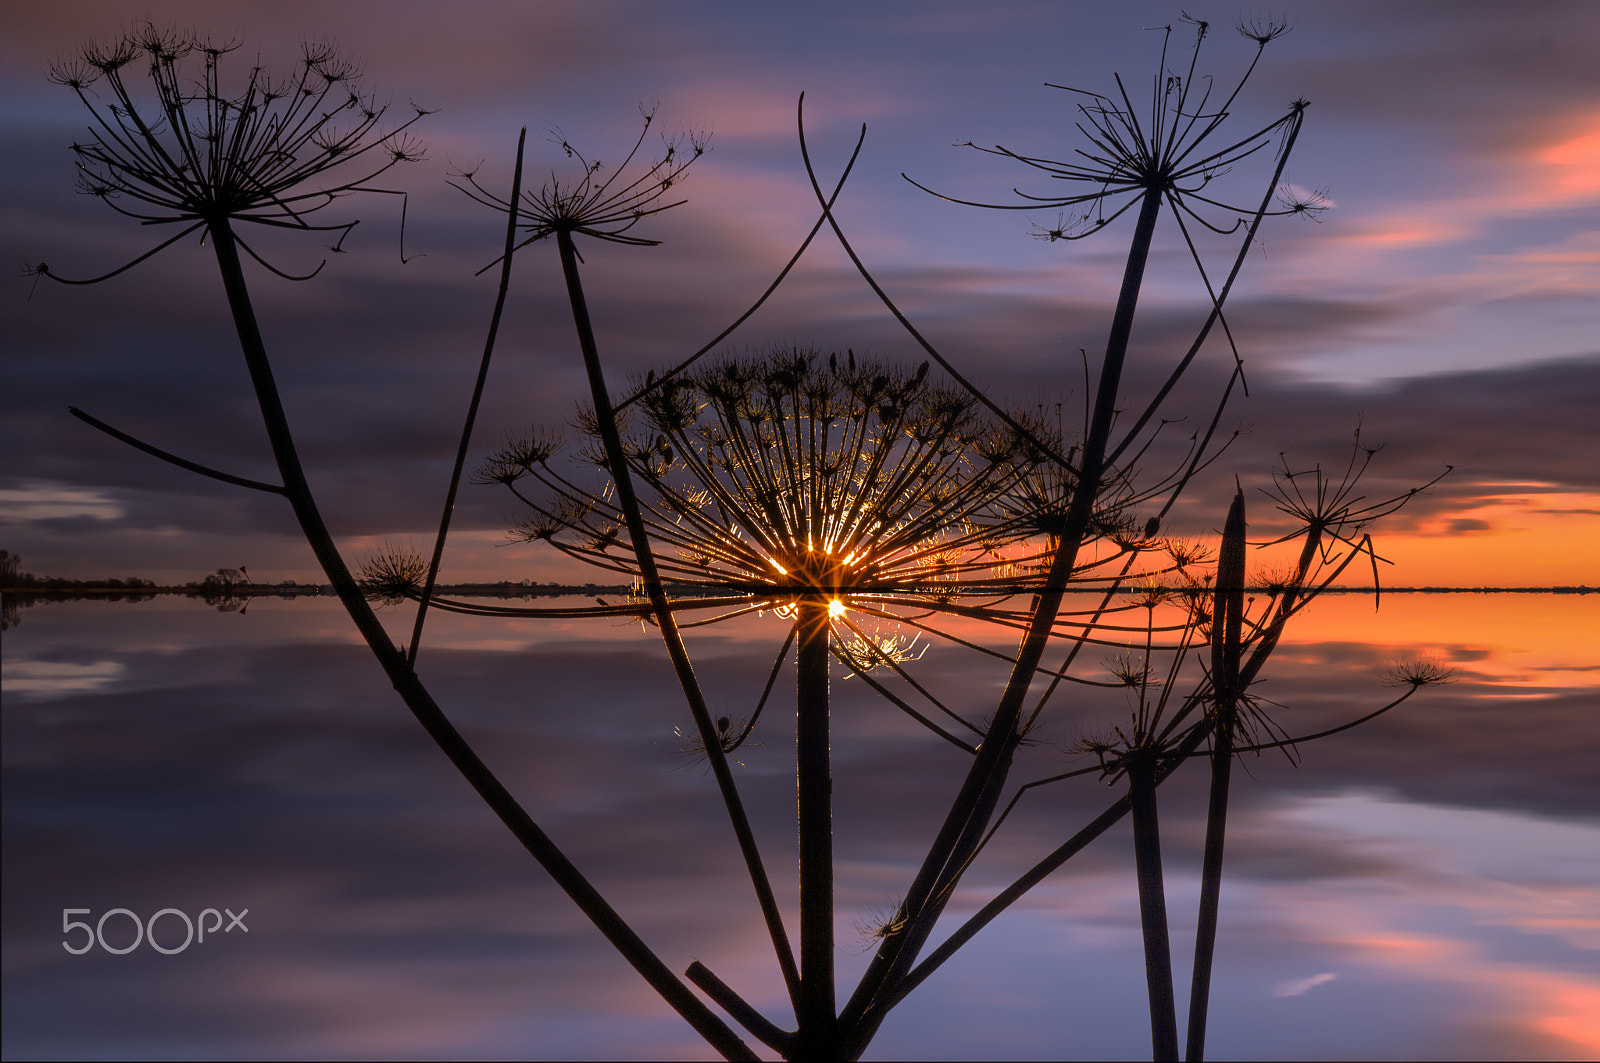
x: 12, y: 577
x: 223, y: 580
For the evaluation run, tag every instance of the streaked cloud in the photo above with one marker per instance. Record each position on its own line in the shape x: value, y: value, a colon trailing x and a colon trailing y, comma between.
x: 1299, y: 987
x: 38, y: 680
x: 53, y: 502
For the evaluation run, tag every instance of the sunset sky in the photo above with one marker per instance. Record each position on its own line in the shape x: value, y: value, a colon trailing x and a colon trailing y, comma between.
x: 1446, y: 303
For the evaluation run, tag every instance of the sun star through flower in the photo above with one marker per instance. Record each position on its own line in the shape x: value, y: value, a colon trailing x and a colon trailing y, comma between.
x: 791, y: 478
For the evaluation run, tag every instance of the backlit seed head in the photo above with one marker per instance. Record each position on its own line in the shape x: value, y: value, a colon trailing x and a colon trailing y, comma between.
x: 1419, y: 672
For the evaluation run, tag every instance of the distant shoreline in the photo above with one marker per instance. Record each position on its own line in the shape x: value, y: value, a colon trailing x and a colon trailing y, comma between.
x: 553, y: 590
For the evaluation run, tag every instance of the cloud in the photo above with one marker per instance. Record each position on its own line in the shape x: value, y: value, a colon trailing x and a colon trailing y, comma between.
x: 40, y: 502
x: 265, y: 757
x: 1573, y: 166
x: 41, y: 680
x: 1299, y: 987
x: 1555, y: 176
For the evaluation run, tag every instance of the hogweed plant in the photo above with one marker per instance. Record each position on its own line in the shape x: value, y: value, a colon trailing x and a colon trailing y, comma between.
x: 876, y: 511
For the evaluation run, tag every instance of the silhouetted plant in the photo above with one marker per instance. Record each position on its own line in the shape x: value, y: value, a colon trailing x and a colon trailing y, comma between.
x: 813, y: 492
x: 393, y: 574
x: 1150, y: 163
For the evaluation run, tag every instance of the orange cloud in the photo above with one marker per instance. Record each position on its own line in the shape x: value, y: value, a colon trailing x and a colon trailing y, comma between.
x: 1574, y: 1014
x: 1558, y: 1005
x: 1400, y: 948
x: 1574, y: 165
x: 1406, y: 230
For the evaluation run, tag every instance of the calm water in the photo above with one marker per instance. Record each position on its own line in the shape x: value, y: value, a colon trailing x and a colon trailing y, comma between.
x: 1427, y: 886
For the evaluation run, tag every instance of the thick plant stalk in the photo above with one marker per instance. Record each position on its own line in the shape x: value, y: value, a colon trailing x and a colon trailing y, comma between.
x: 416, y: 696
x: 1153, y: 908
x: 814, y: 787
x: 1226, y: 635
x: 628, y: 502
x: 964, y: 826
x: 472, y: 407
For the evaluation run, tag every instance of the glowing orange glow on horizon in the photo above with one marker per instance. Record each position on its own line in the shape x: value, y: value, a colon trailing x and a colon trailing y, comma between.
x: 1495, y: 540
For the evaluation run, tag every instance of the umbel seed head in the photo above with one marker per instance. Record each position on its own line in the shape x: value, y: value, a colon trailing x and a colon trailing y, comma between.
x: 179, y: 138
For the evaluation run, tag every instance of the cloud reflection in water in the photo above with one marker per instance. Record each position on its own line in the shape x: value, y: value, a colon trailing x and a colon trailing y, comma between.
x: 1430, y: 884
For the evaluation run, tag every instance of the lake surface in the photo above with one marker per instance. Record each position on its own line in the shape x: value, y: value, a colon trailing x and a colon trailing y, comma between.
x: 1426, y: 886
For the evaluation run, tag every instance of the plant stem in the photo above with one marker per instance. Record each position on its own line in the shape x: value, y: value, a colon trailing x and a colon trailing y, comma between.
x: 814, y: 788
x: 416, y: 696
x: 1205, y: 944
x: 1226, y: 647
x: 628, y: 502
x: 472, y: 407
x: 1153, y: 909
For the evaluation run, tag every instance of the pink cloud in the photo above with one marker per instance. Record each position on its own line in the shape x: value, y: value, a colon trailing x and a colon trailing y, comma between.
x: 1539, y: 180
x: 1573, y: 166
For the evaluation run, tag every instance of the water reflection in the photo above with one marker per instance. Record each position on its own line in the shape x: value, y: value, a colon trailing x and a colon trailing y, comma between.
x: 1425, y: 887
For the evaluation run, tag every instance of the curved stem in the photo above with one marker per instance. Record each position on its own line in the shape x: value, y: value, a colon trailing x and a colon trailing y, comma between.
x: 472, y: 408
x: 173, y: 459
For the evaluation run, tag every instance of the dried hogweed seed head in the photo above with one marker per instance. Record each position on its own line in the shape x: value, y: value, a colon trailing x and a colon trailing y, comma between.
x: 1419, y: 672
x: 194, y: 144
x: 393, y: 574
x: 598, y: 201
